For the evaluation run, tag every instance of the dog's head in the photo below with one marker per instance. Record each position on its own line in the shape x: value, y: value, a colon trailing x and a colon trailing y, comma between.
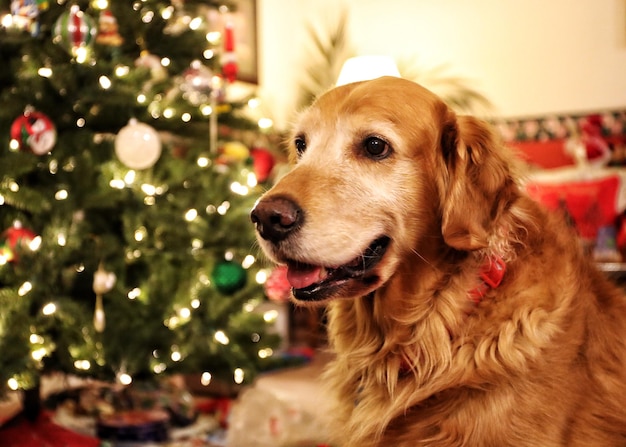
x: 383, y: 171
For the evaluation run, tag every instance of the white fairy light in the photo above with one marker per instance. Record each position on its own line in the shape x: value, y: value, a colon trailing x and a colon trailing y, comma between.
x: 35, y: 244
x: 105, y: 82
x: 204, y: 279
x: 168, y: 113
x: 6, y: 21
x: 167, y: 13
x: 265, y: 353
x: 213, y: 37
x: 195, y: 24
x: 203, y: 161
x: 26, y: 287
x: 238, y: 376
x: 82, y: 54
x: 39, y: 354
x: 122, y: 70
x: 36, y: 339
x: 125, y: 379
x: 205, y: 378
x: 238, y: 188
x: 261, y: 277
x: 140, y: 233
x: 248, y: 261
x: 265, y: 123
x: 270, y: 316
x: 191, y: 215
x: 129, y: 178
x: 172, y: 322
x: 249, y: 306
x: 148, y: 189
x: 147, y: 17
x: 221, y: 337
x: 134, y: 293
x: 61, y: 194
x: 195, y: 303
x: 141, y: 98
x: 45, y: 72
x: 117, y: 184
x: 61, y: 239
x: 186, y: 117
x: 223, y: 208
x: 184, y: 313
x: 83, y: 365
x: 49, y: 309
x: 166, y: 62
x: 252, y: 180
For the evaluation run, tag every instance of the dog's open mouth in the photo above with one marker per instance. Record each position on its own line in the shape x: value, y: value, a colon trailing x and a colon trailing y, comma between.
x: 315, y: 282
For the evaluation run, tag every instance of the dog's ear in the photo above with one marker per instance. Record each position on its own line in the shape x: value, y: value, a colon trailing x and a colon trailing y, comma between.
x: 477, y: 176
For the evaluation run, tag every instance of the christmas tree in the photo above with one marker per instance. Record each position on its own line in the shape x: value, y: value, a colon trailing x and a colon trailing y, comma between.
x: 126, y: 177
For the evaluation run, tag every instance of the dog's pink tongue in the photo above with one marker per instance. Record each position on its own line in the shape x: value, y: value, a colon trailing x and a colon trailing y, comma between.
x: 301, y: 275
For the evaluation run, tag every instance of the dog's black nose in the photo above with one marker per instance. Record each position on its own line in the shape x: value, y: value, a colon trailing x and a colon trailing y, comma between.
x: 276, y: 217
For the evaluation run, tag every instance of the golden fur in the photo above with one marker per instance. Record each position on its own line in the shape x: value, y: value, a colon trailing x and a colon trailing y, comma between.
x: 539, y: 361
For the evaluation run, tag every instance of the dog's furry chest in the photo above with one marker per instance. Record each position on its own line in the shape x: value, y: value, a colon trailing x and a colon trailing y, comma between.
x: 479, y: 388
x: 501, y: 414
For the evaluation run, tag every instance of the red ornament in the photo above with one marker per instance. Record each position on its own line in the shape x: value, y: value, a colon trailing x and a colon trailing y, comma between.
x: 263, y: 162
x: 15, y: 238
x: 595, y: 145
x: 34, y: 132
x: 74, y: 30
x: 229, y: 59
x: 108, y: 30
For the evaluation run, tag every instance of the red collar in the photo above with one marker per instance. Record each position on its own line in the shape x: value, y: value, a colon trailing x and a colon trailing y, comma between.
x: 491, y: 275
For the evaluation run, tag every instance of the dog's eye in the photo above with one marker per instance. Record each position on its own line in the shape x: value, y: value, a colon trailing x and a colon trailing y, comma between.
x: 300, y: 144
x: 376, y: 148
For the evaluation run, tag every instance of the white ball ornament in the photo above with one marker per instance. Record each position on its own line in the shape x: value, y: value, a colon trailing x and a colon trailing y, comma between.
x: 138, y: 145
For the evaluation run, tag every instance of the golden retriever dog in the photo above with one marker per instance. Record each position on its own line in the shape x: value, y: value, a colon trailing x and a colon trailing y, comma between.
x: 460, y: 311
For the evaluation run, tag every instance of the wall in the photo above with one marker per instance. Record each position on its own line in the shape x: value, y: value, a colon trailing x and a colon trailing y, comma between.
x: 529, y: 57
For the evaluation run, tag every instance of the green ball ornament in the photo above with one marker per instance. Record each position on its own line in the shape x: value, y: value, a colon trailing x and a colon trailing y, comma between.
x: 229, y: 277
